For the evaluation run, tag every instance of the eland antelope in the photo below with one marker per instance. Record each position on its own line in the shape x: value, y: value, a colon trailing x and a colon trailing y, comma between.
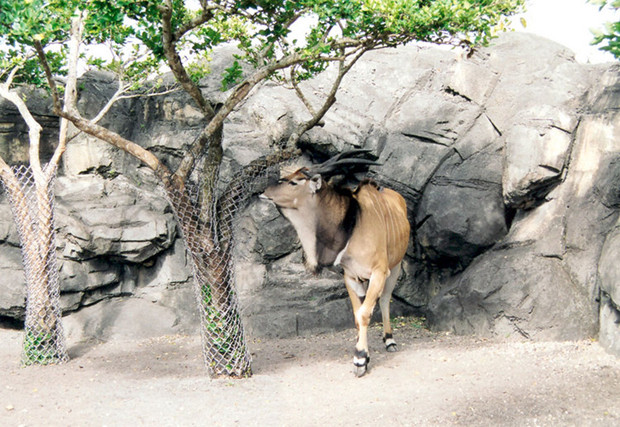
x: 365, y: 231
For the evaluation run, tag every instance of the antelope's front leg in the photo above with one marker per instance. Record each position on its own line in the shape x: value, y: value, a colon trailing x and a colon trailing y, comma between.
x: 362, y: 319
x: 357, y: 293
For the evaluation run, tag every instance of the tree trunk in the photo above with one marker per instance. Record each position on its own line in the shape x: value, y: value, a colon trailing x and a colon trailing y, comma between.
x: 32, y: 206
x: 209, y: 240
x: 30, y: 191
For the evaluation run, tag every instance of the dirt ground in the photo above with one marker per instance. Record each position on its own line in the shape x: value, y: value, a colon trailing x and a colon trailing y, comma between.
x: 435, y: 379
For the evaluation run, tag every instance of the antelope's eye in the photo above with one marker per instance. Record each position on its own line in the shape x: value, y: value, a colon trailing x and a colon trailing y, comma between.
x: 292, y: 183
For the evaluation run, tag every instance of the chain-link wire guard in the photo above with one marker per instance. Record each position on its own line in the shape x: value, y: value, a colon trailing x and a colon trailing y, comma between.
x: 33, y: 212
x: 206, y: 214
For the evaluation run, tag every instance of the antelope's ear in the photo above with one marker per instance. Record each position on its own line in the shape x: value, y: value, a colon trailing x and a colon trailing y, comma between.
x: 315, y: 183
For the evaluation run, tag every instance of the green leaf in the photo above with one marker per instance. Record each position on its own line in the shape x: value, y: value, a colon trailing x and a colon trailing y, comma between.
x: 232, y: 76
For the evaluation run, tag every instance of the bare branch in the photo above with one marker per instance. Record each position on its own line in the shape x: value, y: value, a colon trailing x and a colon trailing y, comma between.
x: 300, y: 93
x: 121, y: 89
x: 149, y: 95
x: 34, y: 128
x: 9, y: 79
x: 343, y: 69
x: 7, y: 175
x: 77, y: 28
x: 241, y: 92
x: 148, y: 158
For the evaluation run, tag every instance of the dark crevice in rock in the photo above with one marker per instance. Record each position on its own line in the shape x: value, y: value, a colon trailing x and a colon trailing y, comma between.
x: 510, y: 214
x: 7, y: 322
x: 424, y: 139
x: 550, y: 168
x: 513, y: 321
x: 453, y: 92
x: 499, y: 132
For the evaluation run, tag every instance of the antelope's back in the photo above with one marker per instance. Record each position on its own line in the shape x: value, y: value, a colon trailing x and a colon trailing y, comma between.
x: 384, y: 220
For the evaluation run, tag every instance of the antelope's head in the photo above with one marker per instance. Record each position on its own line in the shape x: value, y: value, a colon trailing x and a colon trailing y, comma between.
x: 295, y: 190
x: 300, y: 188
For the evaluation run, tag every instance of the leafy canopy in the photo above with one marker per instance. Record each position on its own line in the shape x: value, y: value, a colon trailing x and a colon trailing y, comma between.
x: 265, y: 31
x: 609, y: 37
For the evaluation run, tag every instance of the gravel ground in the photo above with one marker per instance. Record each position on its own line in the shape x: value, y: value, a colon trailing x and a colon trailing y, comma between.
x: 435, y: 379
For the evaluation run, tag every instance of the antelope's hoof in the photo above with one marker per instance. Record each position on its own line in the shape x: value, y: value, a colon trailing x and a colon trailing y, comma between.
x: 360, y: 371
x: 390, y: 344
x: 360, y: 362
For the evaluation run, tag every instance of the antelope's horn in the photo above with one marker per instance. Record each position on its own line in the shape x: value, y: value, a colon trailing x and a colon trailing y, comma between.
x: 342, y: 161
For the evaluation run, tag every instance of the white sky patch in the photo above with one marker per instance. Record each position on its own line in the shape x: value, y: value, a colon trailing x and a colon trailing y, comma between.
x: 570, y: 23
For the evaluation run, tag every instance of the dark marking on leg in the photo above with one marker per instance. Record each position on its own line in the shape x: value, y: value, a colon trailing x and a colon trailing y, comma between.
x: 360, y: 362
x: 361, y: 358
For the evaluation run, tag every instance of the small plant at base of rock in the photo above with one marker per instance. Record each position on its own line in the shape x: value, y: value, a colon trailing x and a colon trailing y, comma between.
x: 416, y: 322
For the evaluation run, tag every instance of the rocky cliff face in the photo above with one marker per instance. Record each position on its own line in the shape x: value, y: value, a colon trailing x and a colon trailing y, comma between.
x: 509, y: 160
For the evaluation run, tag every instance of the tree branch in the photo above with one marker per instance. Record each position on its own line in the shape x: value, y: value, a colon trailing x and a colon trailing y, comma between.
x: 11, y: 76
x: 239, y: 94
x: 48, y: 75
x: 300, y: 93
x: 34, y: 128
x: 175, y: 63
x: 77, y: 28
x: 317, y: 116
x: 205, y: 16
x: 145, y: 156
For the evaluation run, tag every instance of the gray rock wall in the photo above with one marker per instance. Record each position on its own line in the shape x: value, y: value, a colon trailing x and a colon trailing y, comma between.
x: 509, y: 160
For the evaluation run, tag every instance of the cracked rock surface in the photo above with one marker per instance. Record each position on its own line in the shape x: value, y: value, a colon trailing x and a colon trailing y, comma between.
x: 509, y: 161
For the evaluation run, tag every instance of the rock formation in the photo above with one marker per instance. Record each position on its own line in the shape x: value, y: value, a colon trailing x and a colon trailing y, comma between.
x: 509, y: 160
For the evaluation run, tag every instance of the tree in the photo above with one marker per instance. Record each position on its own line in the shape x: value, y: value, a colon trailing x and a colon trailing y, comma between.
x: 31, y: 195
x: 30, y: 189
x: 608, y: 38
x: 169, y: 32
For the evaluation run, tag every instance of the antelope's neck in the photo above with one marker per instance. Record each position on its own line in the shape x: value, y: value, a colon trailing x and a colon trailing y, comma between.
x: 337, y: 217
x: 324, y: 226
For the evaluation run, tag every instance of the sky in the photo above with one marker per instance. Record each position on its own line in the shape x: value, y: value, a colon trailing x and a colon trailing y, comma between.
x: 568, y: 22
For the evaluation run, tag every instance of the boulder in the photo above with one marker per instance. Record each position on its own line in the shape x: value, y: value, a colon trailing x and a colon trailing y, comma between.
x: 609, y: 282
x: 544, y: 265
x: 512, y: 291
x: 536, y: 153
x: 112, y: 219
x: 111, y: 237
x: 461, y: 212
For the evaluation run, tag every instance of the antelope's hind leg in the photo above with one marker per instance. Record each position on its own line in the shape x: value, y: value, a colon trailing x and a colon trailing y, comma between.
x: 384, y: 304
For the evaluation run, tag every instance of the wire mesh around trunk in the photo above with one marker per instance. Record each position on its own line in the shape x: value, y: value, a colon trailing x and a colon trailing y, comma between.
x: 33, y: 212
x: 206, y: 214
